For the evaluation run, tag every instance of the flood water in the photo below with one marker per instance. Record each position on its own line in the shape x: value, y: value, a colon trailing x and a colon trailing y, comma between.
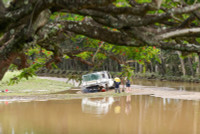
x: 181, y: 86
x: 119, y: 115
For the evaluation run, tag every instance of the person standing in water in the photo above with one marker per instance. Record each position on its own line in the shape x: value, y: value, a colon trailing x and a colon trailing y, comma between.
x: 117, y: 82
x: 128, y: 85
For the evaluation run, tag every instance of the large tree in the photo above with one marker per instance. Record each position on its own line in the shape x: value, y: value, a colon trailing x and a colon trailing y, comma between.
x: 167, y: 25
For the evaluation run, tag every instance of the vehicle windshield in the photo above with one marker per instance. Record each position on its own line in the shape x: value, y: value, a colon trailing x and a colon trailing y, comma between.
x: 91, y: 77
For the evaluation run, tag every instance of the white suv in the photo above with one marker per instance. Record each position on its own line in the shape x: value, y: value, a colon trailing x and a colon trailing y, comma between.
x: 97, y: 81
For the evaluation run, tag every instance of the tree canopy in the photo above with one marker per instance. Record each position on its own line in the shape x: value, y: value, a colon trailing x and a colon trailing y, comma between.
x: 161, y: 24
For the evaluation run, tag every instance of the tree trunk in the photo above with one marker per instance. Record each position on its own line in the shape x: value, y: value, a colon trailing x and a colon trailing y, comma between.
x: 9, y: 52
x: 198, y: 65
x: 141, y: 68
x: 190, y: 66
x: 182, y: 63
x: 151, y: 66
x: 2, y: 8
x: 161, y: 66
x: 5, y: 63
x: 156, y: 68
x: 135, y: 65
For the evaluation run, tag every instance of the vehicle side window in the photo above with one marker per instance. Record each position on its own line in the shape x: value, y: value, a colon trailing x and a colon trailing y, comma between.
x: 103, y: 75
x: 109, y: 76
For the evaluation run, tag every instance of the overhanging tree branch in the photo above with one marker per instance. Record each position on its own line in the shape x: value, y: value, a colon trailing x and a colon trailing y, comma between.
x: 96, y: 32
x: 179, y: 33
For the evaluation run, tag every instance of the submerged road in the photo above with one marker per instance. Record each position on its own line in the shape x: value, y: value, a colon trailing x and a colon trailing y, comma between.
x: 163, y: 92
x: 166, y: 92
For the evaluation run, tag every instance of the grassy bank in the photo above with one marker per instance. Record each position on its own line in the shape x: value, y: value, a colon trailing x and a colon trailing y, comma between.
x: 32, y: 86
x: 42, y: 89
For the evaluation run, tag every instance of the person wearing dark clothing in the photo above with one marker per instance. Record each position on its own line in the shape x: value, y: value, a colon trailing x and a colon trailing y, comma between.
x: 128, y: 85
x: 117, y: 89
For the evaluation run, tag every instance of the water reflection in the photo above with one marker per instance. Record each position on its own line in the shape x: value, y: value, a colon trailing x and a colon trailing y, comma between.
x: 166, y: 101
x: 1, y: 129
x: 118, y: 115
x: 128, y: 104
x: 97, y: 106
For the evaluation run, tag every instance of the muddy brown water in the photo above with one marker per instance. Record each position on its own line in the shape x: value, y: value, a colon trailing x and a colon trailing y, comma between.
x: 152, y: 84
x: 181, y: 86
x: 119, y: 115
x: 141, y: 83
x: 137, y: 114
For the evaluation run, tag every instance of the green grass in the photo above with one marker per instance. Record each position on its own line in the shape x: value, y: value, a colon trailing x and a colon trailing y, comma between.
x: 9, y: 75
x: 32, y: 86
x: 42, y: 89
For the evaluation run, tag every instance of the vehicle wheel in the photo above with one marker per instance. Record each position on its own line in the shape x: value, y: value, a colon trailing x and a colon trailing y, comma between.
x: 100, y: 88
x: 112, y: 87
x: 85, y: 90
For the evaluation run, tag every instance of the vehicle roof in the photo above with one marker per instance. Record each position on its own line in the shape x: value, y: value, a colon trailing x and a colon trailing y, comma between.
x: 100, y: 72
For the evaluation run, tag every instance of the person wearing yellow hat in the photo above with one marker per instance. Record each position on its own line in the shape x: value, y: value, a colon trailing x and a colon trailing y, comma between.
x: 117, y: 82
x: 117, y: 79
